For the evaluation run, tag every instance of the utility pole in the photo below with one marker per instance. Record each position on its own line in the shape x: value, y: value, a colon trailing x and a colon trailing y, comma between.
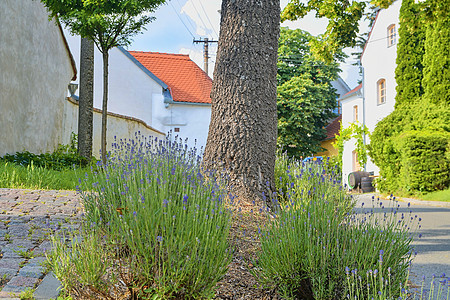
x: 205, y: 42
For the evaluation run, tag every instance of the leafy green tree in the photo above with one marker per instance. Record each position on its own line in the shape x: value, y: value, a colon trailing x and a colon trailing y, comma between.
x: 436, y: 74
x: 410, y: 52
x: 108, y: 23
x: 306, y: 98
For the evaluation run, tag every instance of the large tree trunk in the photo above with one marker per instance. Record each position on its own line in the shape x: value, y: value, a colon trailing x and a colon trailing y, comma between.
x: 86, y: 101
x: 243, y: 130
x: 105, y: 104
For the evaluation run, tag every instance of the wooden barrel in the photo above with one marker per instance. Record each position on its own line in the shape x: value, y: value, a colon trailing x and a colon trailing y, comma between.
x: 366, y: 184
x: 354, y: 178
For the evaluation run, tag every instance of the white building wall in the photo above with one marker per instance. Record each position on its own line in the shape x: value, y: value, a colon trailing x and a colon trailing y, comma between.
x: 119, y: 127
x: 347, y: 118
x: 130, y: 90
x: 191, y: 119
x: 35, y: 70
x: 379, y: 62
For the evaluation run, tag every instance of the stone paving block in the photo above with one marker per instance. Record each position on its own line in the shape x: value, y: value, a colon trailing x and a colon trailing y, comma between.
x: 23, y: 244
x: 8, y: 295
x: 12, y: 291
x: 37, y: 261
x: 22, y: 281
x: 42, y: 248
x: 49, y: 288
x: 8, y: 273
x: 11, y: 263
x: 32, y: 271
x: 10, y: 254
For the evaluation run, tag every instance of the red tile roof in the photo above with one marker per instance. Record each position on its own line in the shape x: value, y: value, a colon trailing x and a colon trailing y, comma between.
x: 186, y: 81
x: 353, y: 91
x: 333, y: 128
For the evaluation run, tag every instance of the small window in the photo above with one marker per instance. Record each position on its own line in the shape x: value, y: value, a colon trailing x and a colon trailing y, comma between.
x: 392, y: 35
x: 177, y: 129
x: 381, y: 87
x: 355, y: 113
x: 355, y: 162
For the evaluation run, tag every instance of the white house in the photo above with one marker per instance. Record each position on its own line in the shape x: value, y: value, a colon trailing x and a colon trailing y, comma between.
x: 169, y: 92
x: 374, y: 99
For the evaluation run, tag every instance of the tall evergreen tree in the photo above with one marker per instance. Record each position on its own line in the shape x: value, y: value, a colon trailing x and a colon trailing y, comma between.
x: 436, y: 79
x: 410, y: 52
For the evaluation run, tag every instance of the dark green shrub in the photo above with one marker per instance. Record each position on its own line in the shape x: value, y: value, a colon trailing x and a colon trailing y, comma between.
x: 425, y: 166
x: 388, y: 153
x: 65, y: 156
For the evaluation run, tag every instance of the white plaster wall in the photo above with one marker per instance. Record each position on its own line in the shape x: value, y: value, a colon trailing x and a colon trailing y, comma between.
x: 35, y: 69
x: 379, y: 62
x: 196, y: 119
x: 117, y: 127
x: 192, y: 120
x: 349, y: 146
x: 130, y: 89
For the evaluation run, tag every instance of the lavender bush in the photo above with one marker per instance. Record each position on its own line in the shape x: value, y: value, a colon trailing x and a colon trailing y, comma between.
x: 164, y: 222
x: 314, y: 238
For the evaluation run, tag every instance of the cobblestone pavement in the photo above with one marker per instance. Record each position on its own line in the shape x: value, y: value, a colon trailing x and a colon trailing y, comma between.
x: 27, y: 218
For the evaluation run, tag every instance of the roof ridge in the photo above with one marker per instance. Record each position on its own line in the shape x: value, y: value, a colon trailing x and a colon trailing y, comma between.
x: 160, y: 53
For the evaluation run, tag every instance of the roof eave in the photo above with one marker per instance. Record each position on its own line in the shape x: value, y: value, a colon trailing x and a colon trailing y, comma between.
x: 143, y: 68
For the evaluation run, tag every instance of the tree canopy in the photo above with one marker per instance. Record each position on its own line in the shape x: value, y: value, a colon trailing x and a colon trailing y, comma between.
x: 306, y: 98
x: 108, y: 23
x: 343, y: 17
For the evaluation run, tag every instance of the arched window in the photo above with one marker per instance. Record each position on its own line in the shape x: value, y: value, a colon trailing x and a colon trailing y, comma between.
x: 381, y: 88
x: 391, y: 35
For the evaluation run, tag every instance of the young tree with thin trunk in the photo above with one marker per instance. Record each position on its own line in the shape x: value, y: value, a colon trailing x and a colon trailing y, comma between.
x: 243, y: 131
x: 86, y: 100
x: 108, y: 24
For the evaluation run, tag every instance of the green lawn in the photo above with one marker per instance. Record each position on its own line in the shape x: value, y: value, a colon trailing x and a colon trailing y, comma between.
x: 437, y: 196
x: 30, y: 177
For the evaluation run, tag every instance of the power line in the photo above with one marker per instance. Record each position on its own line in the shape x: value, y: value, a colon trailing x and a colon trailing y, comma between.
x: 187, y: 18
x: 198, y: 14
x: 181, y: 20
x: 208, y: 19
x: 383, y: 38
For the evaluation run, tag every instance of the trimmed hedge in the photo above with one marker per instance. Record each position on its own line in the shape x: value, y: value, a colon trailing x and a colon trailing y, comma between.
x: 410, y: 146
x: 425, y: 164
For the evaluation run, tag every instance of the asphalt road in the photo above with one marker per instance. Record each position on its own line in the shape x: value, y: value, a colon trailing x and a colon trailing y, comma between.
x: 433, y: 247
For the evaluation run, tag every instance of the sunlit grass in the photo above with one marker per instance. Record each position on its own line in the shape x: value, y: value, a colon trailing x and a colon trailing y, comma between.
x: 31, y: 177
x: 443, y: 196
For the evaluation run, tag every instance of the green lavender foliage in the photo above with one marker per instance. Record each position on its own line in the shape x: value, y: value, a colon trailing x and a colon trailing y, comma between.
x: 160, y: 217
x: 310, y: 245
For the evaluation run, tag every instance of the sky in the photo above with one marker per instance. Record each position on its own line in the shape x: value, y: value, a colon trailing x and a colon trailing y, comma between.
x: 179, y: 22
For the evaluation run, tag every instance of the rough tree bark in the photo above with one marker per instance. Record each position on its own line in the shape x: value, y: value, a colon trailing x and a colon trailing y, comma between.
x: 243, y: 129
x: 86, y: 100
